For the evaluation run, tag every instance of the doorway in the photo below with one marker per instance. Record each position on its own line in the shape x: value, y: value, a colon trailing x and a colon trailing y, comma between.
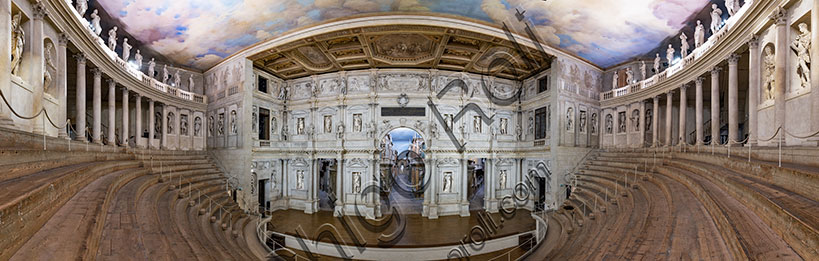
x: 327, y: 184
x: 476, y: 192
x: 403, y: 173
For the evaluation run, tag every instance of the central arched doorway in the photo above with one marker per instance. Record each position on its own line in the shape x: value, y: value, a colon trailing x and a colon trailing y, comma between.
x: 403, y: 173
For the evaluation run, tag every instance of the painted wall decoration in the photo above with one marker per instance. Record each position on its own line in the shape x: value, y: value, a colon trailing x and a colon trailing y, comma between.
x: 199, y: 33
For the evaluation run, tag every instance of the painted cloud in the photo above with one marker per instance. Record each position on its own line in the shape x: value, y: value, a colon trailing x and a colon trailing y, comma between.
x: 199, y: 33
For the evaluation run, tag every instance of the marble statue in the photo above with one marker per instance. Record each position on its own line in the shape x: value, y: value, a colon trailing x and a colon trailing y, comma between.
x: 300, y: 126
x: 476, y: 122
x: 210, y: 126
x: 18, y: 37
x: 283, y: 93
x: 570, y: 119
x: 95, y: 22
x: 699, y: 35
x: 82, y: 7
x: 609, y: 123
x: 273, y: 125
x: 621, y: 122
x: 683, y: 45
x: 448, y: 182
x: 629, y: 76
x: 197, y: 126
x: 504, y: 126
x: 190, y: 83
x: 732, y: 6
x: 112, y: 39
x: 49, y: 62
x: 593, y: 124
x: 138, y: 59
x: 669, y: 54
x: 768, y: 77
x: 328, y: 124
x: 170, y: 122
x: 502, y: 179
x: 648, y: 119
x: 126, y: 49
x: 371, y: 129
x: 165, y: 75
x: 157, y: 124
x: 183, y: 125
x: 657, y: 64
x: 300, y: 180
x: 357, y: 122
x: 234, y: 129
x: 801, y: 45
x: 356, y: 182
x: 177, y: 80
x: 340, y: 131
x: 151, y: 68
x: 254, y: 120
x: 635, y: 119
x: 220, y: 125
x: 519, y: 132
x: 614, y: 80
x: 716, y: 18
x: 582, y: 121
x: 531, y: 129
x: 643, y: 70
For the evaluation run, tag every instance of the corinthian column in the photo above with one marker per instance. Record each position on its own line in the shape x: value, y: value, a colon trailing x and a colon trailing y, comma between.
x: 151, y: 123
x: 62, y: 83
x: 715, y: 105
x: 780, y: 18
x: 164, y: 142
x: 5, y: 67
x: 642, y: 124
x: 138, y: 123
x: 753, y: 87
x: 655, y: 116
x: 125, y: 122
x: 669, y: 101
x: 683, y: 110
x: 80, y: 97
x: 112, y: 112
x: 96, y: 105
x: 698, y: 109
x: 37, y: 65
x: 733, y: 99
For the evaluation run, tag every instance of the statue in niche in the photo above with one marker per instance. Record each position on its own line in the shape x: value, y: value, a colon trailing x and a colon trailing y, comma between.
x: 300, y: 180
x: 476, y: 122
x: 447, y: 182
x: 177, y: 80
x: 716, y: 19
x: 614, y: 80
x: 519, y: 132
x: 699, y: 35
x: 356, y: 182
x: 357, y: 122
x: 629, y: 76
x: 582, y: 121
x: 197, y: 126
x: 151, y: 68
x: 328, y: 124
x: 273, y: 125
x: 300, y: 126
x: 95, y: 22
x: 112, y: 39
x: 285, y: 131
x: 82, y: 7
x: 448, y: 119
x: 504, y: 125
x: 643, y: 70
x: 621, y: 122
x: 502, y: 179
x: 253, y: 120
x: 669, y: 54
x: 170, y: 122
x: 593, y: 124
x: 770, y: 67
x: 732, y: 6
x: 220, y: 125
x: 657, y: 64
x: 183, y: 125
x: 635, y: 119
x: 569, y: 119
x: 126, y: 50
x: 165, y: 75
x: 18, y: 37
x: 190, y: 83
x: 683, y: 45
x: 157, y: 124
x: 340, y: 131
x: 531, y: 129
x: 274, y: 185
x: 138, y: 59
x: 283, y: 93
x: 648, y: 119
x: 49, y: 62
x: 609, y: 123
x: 801, y: 45
x: 371, y: 129
x: 210, y: 126
x: 433, y: 130
x: 234, y: 129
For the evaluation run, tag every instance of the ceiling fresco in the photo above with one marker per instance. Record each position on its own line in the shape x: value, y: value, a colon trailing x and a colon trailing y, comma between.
x: 200, y: 33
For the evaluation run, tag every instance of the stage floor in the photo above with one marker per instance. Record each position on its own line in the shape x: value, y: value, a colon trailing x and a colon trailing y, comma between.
x: 419, y: 232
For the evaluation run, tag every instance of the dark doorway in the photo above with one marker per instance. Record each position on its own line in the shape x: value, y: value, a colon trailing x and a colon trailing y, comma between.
x: 264, y: 124
x: 263, y: 203
x: 327, y: 184
x: 476, y: 192
x: 540, y: 199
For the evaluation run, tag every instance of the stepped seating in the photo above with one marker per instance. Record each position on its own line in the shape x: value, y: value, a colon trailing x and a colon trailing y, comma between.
x: 689, y: 205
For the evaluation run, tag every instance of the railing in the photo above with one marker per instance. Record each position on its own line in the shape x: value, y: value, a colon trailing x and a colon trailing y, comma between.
x: 683, y: 63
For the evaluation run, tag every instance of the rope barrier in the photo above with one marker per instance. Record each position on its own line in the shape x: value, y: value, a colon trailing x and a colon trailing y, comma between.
x: 42, y: 111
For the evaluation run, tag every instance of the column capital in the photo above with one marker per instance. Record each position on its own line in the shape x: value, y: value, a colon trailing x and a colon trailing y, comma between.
x: 63, y: 39
x: 733, y: 59
x: 38, y: 11
x: 716, y: 70
x: 137, y: 95
x: 80, y: 58
x: 753, y: 43
x: 779, y: 17
x: 699, y: 81
x: 110, y: 81
x: 124, y: 89
x: 96, y: 71
x: 671, y: 92
x: 684, y: 86
x: 656, y: 98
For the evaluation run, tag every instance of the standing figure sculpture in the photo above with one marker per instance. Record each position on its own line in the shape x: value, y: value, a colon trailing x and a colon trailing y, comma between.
x: 95, y: 22
x: 669, y: 54
x: 177, y: 82
x: 683, y: 45
x: 699, y: 35
x: 190, y: 83
x: 151, y: 68
x: 657, y: 64
x: 165, y: 74
x: 112, y: 39
x: 126, y: 50
x: 732, y: 6
x: 629, y: 76
x: 643, y: 70
x: 49, y: 62
x: 770, y: 67
x: 716, y: 19
x: 138, y: 59
x: 801, y: 45
x: 18, y: 37
x: 82, y: 7
x: 614, y: 80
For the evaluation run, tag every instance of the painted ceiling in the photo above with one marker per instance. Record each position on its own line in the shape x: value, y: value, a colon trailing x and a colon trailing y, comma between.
x: 200, y: 33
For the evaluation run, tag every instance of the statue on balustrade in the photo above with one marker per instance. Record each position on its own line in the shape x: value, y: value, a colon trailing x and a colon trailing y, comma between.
x: 699, y: 35
x: 614, y: 80
x: 151, y: 68
x: 112, y: 39
x: 177, y: 81
x: 82, y: 7
x: 716, y: 19
x: 138, y: 59
x: 165, y: 75
x: 126, y: 50
x: 95, y: 22
x: 669, y: 54
x: 657, y: 64
x: 49, y: 62
x: 683, y: 45
x: 732, y: 6
x: 18, y: 37
x: 801, y: 45
x: 190, y: 83
x: 629, y: 76
x: 643, y: 70
x: 768, y: 77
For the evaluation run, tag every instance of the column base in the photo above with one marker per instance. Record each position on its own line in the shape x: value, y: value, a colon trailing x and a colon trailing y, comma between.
x: 6, y: 122
x: 60, y: 134
x: 97, y: 141
x: 80, y: 138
